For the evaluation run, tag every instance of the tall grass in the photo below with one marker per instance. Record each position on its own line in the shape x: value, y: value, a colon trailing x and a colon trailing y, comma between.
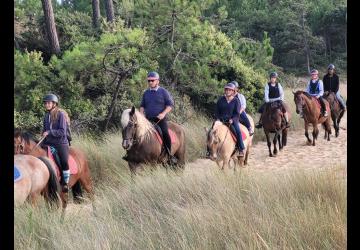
x: 160, y: 210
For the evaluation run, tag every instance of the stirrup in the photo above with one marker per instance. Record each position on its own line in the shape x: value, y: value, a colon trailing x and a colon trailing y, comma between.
x: 65, y: 188
x: 258, y: 125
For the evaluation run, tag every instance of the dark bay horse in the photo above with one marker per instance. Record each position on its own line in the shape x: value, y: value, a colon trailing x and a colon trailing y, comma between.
x: 336, y: 111
x: 25, y: 143
x: 274, y: 122
x: 309, y: 108
x: 142, y: 144
x: 36, y: 177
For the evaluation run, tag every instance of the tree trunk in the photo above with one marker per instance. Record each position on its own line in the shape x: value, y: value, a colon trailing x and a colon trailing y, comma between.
x: 96, y: 13
x: 121, y: 78
x: 109, y: 10
x: 306, y: 44
x: 50, y: 27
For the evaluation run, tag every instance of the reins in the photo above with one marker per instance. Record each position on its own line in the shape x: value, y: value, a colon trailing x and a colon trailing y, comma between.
x: 41, y: 140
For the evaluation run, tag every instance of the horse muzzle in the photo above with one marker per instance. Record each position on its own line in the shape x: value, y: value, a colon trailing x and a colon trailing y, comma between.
x: 126, y: 144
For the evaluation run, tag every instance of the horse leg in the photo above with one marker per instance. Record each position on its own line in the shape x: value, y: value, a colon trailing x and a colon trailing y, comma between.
x: 307, y: 133
x: 279, y: 141
x: 274, y: 142
x: 247, y: 155
x: 86, y: 183
x: 284, y: 137
x: 328, y: 128
x: 315, y: 133
x: 268, y: 143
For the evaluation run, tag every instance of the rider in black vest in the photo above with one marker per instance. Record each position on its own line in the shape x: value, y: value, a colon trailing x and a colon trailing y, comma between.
x: 315, y: 88
x: 273, y: 93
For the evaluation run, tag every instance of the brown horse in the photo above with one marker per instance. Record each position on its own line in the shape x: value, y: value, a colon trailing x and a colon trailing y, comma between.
x: 307, y: 106
x: 221, y: 144
x: 274, y: 122
x: 142, y: 144
x: 36, y: 177
x: 336, y: 111
x: 24, y: 143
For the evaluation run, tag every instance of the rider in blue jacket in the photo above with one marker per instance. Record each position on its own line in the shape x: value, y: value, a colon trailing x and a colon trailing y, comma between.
x: 315, y: 88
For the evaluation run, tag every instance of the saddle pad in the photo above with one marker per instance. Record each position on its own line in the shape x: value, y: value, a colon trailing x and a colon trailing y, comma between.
x: 243, y: 135
x: 17, y: 174
x: 172, y: 134
x: 317, y: 103
x: 71, y: 161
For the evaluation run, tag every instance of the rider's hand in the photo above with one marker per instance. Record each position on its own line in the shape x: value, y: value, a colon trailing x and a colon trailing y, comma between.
x: 161, y: 116
x: 230, y: 121
x: 46, y: 133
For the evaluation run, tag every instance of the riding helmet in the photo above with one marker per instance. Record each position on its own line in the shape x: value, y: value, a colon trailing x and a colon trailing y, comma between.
x: 331, y: 66
x: 153, y: 75
x: 314, y: 72
x: 236, y: 84
x: 51, y: 98
x: 230, y: 86
x: 273, y: 74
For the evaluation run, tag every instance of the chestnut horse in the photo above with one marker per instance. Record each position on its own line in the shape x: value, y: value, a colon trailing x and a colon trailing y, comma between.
x: 273, y: 122
x: 336, y: 111
x: 307, y: 106
x: 34, y: 177
x: 221, y: 144
x: 142, y: 144
x: 25, y: 143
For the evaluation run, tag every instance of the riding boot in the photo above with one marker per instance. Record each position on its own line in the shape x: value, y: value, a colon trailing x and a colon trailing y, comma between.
x: 172, y: 160
x: 259, y: 123
x: 66, y: 174
x: 323, y: 107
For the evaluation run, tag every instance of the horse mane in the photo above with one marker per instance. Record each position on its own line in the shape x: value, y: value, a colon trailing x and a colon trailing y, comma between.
x: 307, y: 94
x: 144, y: 128
x: 26, y: 135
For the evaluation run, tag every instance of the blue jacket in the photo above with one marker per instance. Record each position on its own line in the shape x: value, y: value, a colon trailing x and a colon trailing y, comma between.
x: 57, y: 130
x: 226, y: 111
x: 154, y: 101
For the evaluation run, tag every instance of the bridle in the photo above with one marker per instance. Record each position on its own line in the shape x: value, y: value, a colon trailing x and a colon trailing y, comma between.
x: 19, y: 147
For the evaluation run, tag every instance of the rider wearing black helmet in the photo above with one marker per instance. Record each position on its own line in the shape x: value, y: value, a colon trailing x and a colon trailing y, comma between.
x: 331, y: 84
x: 55, y: 133
x: 243, y: 117
x: 274, y: 93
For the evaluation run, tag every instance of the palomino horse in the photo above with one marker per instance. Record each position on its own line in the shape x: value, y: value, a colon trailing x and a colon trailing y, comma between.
x: 25, y: 143
x: 336, y: 111
x: 307, y: 106
x: 273, y: 122
x: 142, y: 143
x: 221, y: 144
x: 34, y: 177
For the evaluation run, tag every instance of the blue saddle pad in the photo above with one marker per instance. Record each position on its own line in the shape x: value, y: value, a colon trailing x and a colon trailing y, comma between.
x: 17, y: 174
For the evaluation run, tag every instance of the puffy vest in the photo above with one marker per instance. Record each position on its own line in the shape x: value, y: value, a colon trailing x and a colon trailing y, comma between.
x: 274, y: 91
x: 314, y: 87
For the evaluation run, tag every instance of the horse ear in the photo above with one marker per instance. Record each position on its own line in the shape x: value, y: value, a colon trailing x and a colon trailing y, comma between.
x: 132, y: 112
x: 293, y: 92
x: 206, y: 129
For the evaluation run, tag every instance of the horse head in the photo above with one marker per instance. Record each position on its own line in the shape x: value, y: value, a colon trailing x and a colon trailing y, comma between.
x: 299, y: 101
x: 212, y: 142
x: 23, y: 141
x: 129, y: 124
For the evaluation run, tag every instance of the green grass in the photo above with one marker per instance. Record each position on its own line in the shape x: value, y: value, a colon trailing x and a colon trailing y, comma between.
x: 160, y: 210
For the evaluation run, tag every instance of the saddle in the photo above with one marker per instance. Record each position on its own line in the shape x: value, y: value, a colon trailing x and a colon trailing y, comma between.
x: 317, y: 101
x: 53, y: 155
x: 17, y: 174
x: 233, y: 133
x: 159, y: 135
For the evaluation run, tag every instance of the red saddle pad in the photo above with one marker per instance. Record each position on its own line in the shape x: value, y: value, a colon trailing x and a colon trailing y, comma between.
x: 172, y: 134
x: 72, y: 163
x: 234, y: 136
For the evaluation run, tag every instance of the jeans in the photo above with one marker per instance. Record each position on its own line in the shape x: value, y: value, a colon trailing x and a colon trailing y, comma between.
x: 340, y: 99
x: 165, y: 131
x: 236, y: 127
x: 245, y: 120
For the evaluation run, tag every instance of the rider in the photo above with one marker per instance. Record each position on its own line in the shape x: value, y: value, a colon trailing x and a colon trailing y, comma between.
x: 54, y: 131
x: 273, y: 93
x: 228, y: 111
x: 331, y: 84
x: 243, y: 117
x: 315, y: 88
x: 156, y: 103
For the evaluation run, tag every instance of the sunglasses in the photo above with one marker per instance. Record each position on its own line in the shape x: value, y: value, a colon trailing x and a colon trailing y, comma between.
x: 151, y: 80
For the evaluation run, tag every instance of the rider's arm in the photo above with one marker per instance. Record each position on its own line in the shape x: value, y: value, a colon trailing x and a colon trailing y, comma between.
x: 236, y: 112
x: 321, y: 89
x: 281, y: 91
x: 242, y: 103
x: 169, y: 103
x: 337, y: 83
x: 266, y: 93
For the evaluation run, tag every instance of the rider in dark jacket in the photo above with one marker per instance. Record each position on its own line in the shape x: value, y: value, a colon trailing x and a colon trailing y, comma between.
x: 331, y: 84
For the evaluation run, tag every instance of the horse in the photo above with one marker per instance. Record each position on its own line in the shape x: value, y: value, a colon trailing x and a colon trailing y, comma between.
x: 336, y: 111
x: 143, y: 143
x: 273, y: 122
x: 25, y: 143
x: 34, y: 177
x: 309, y: 108
x: 222, y: 144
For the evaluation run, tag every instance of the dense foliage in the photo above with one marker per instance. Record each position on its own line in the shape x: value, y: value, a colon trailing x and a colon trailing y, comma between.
x: 196, y: 46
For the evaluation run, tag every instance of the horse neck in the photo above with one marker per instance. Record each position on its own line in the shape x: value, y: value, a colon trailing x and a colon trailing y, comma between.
x: 222, y: 132
x: 38, y: 151
x: 310, y: 106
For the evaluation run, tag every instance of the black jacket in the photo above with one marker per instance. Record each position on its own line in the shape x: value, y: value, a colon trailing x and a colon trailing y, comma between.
x: 331, y: 83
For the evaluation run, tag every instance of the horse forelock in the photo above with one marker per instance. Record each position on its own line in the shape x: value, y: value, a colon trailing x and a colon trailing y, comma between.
x: 125, y: 118
x: 144, y: 127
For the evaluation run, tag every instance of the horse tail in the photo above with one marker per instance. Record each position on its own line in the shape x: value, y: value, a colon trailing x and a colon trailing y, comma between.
x: 77, y: 192
x: 53, y: 188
